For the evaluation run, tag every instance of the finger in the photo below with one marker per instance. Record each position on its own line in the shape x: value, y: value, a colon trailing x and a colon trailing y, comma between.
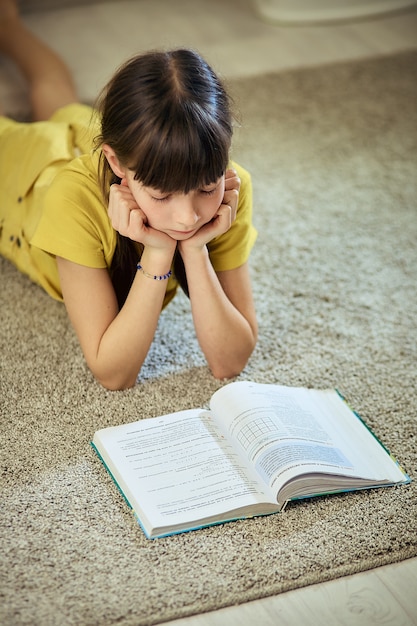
x: 231, y: 197
x: 132, y: 222
x: 226, y: 214
x: 121, y: 203
x: 232, y: 181
x: 233, y: 212
x: 137, y: 220
x: 232, y: 208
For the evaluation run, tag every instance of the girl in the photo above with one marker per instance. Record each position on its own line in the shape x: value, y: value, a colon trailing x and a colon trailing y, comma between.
x: 110, y: 210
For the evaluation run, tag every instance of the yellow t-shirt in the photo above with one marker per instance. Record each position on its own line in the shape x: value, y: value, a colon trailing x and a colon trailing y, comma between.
x: 65, y: 215
x: 30, y: 157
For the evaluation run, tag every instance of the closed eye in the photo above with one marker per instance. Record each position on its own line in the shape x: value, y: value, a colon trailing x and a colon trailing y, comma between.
x: 164, y: 199
x: 205, y: 192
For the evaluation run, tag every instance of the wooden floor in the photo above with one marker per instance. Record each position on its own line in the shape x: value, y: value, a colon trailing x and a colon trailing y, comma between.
x: 237, y: 42
x: 381, y: 597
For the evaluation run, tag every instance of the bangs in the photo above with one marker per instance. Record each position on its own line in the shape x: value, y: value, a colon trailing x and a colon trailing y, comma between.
x: 187, y: 149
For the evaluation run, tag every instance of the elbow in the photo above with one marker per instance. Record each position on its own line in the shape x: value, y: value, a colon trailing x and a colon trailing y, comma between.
x: 115, y: 381
x: 224, y: 371
x: 115, y: 385
x: 229, y: 367
x: 112, y: 374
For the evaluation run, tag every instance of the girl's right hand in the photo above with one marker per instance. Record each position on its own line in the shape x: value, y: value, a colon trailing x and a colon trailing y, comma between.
x: 130, y: 221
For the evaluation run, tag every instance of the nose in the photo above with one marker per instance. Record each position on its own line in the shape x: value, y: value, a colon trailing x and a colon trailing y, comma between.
x: 184, y: 212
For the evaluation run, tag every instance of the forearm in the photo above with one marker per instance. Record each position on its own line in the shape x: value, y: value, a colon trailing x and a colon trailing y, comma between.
x: 227, y: 338
x: 126, y: 342
x: 124, y: 345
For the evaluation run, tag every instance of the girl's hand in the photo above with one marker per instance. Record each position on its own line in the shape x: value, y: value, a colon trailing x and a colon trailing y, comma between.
x: 231, y: 191
x: 129, y: 220
x: 224, y: 218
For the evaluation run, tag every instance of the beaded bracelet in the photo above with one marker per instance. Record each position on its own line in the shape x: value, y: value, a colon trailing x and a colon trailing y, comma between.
x: 163, y: 277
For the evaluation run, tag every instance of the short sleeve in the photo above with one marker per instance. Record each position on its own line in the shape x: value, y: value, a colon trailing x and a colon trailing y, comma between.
x: 74, y: 223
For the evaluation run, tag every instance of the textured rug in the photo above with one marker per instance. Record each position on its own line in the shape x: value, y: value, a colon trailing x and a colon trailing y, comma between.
x: 333, y: 154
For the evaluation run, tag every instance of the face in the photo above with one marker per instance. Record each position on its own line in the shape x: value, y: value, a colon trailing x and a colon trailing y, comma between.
x: 178, y: 215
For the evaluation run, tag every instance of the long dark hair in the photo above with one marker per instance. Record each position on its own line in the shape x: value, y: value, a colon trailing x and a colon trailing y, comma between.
x: 167, y: 117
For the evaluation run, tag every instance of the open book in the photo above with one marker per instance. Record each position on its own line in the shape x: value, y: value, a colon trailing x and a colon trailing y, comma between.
x: 259, y: 446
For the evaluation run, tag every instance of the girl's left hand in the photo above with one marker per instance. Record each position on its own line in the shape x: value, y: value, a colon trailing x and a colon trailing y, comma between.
x: 231, y: 191
x: 225, y: 216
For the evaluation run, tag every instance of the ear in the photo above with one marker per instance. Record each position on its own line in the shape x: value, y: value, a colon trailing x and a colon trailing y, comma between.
x: 113, y: 161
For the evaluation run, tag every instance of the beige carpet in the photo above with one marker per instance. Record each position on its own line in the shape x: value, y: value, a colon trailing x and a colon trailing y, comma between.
x: 333, y: 152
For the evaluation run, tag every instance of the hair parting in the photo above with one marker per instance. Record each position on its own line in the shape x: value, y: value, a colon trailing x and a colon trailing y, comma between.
x: 167, y: 116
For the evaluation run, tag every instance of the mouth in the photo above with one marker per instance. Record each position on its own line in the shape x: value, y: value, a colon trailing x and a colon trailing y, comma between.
x: 183, y: 232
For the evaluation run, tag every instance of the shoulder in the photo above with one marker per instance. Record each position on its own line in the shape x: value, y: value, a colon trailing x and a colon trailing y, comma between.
x: 74, y: 222
x: 77, y: 180
x: 74, y: 197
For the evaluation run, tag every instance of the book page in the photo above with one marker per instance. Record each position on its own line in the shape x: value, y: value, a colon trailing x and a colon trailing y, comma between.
x: 177, y: 468
x: 286, y: 431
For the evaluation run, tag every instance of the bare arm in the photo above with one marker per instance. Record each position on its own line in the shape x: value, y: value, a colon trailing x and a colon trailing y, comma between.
x: 114, y: 343
x: 223, y: 313
x: 222, y: 304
